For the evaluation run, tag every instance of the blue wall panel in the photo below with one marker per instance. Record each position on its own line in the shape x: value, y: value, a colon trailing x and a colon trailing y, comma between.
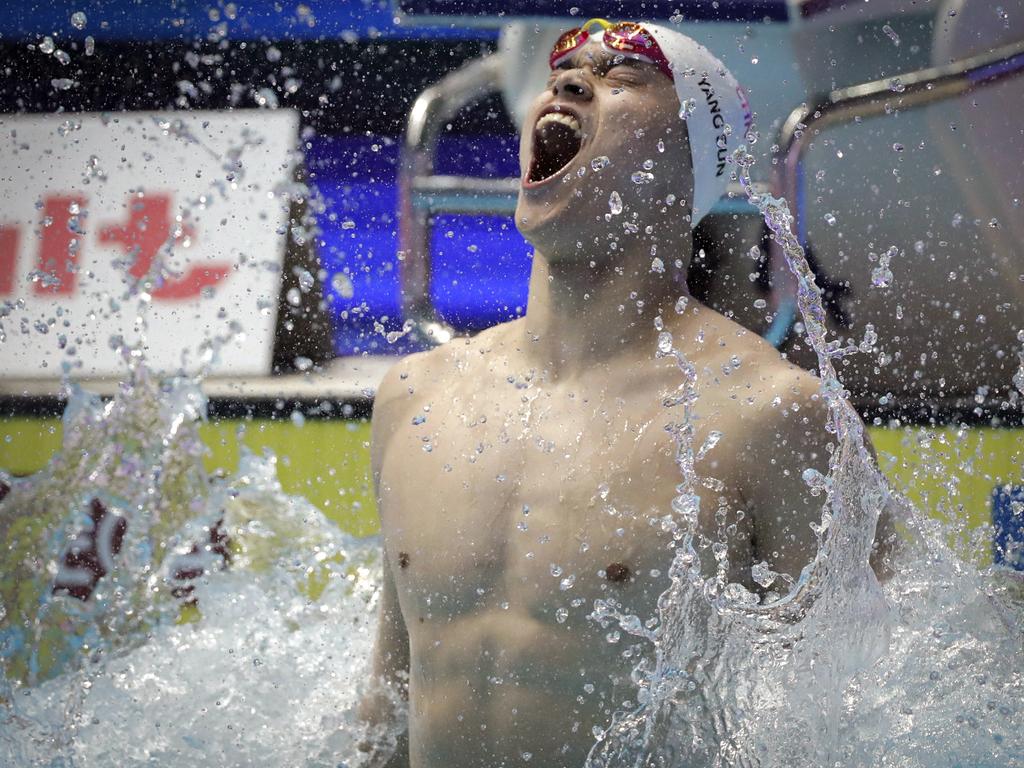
x: 481, y: 263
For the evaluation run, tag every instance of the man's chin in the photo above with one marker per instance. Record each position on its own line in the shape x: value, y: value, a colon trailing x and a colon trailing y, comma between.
x: 533, y: 215
x: 554, y: 243
x: 554, y: 198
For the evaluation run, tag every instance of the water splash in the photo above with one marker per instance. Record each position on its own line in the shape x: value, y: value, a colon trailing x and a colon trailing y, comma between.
x: 924, y: 671
x: 151, y: 613
x: 233, y: 627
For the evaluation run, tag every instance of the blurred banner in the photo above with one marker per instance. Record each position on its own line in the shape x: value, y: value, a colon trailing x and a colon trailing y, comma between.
x: 92, y: 206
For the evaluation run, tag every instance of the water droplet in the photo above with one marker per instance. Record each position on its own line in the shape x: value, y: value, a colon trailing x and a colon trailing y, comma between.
x: 392, y: 336
x: 342, y: 285
x: 1018, y: 378
x: 47, y: 45
x: 762, y: 574
x: 661, y: 145
x: 712, y: 440
x: 599, y: 162
x: 891, y: 33
x: 78, y: 20
x: 556, y: 570
x: 830, y: 219
x: 657, y: 265
x: 881, y: 276
x: 816, y: 481
x: 306, y: 280
x: 642, y: 177
x: 896, y: 85
x: 897, y: 147
x: 90, y: 45
x: 567, y: 583
x: 687, y: 108
x: 615, y: 203
x: 648, y: 164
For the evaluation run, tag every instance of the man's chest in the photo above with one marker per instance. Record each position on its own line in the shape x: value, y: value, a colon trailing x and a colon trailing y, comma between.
x: 542, y: 500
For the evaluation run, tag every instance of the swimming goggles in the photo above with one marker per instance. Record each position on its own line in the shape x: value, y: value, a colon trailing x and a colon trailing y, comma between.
x: 626, y: 37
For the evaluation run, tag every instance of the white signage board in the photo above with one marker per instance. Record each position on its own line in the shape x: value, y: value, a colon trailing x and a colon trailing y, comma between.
x: 94, y: 205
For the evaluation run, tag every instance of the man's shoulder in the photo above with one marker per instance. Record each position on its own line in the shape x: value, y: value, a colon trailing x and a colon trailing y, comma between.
x: 461, y: 361
x: 745, y: 363
x: 769, y: 389
x: 787, y: 404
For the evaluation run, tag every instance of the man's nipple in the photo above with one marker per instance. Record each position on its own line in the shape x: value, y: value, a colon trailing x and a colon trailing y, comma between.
x: 617, y: 572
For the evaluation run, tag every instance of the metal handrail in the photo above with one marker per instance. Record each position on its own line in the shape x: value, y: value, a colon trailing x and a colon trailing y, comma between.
x: 906, y: 91
x: 421, y: 193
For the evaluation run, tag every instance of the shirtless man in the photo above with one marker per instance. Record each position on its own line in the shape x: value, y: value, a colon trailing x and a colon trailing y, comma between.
x: 523, y: 473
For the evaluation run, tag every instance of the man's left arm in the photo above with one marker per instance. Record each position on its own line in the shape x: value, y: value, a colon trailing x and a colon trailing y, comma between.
x: 789, y: 438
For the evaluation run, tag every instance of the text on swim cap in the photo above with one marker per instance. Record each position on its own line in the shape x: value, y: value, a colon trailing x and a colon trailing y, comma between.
x: 717, y: 120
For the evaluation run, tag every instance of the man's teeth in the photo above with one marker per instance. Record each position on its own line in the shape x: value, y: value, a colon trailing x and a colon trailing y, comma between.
x: 560, y: 117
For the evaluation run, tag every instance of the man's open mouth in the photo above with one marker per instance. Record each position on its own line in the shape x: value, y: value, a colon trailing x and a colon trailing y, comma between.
x: 557, y: 138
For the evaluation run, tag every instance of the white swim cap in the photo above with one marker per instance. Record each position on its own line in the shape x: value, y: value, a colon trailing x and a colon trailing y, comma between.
x: 713, y: 104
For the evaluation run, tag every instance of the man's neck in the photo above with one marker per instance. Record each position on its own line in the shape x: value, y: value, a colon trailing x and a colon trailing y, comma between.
x: 580, y: 317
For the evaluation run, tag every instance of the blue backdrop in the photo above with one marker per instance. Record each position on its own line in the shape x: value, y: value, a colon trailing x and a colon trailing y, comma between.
x: 481, y: 263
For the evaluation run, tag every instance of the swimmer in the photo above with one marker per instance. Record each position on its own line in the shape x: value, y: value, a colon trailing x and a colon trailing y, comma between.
x: 523, y: 473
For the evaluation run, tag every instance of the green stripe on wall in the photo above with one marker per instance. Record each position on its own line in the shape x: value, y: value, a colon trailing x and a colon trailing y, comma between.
x: 328, y: 462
